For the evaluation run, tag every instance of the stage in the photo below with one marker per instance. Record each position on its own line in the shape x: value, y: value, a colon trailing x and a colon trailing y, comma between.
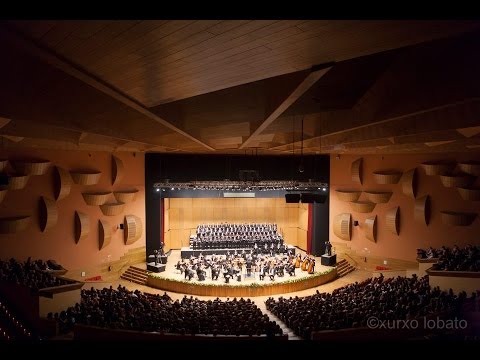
x: 172, y: 280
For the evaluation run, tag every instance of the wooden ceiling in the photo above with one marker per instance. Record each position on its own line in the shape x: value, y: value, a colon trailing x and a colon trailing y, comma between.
x: 235, y: 86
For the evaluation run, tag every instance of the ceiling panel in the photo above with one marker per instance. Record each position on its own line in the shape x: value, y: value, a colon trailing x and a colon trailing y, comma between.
x: 203, y: 86
x: 178, y: 59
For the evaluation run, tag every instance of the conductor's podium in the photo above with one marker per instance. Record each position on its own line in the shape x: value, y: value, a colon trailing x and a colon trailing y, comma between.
x: 155, y: 268
x: 329, y: 260
x: 161, y: 259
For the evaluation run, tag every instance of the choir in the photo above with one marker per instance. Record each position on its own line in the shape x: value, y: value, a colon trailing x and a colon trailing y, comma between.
x: 238, y: 236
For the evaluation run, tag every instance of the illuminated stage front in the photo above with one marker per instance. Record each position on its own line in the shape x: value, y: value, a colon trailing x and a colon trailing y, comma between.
x: 172, y: 280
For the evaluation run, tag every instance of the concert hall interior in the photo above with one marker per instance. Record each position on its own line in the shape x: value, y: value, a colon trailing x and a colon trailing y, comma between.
x: 240, y: 180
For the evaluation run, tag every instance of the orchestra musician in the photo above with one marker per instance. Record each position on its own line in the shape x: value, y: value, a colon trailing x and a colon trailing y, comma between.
x: 215, y: 272
x: 271, y: 273
x: 311, y: 266
x: 298, y: 260
x: 305, y: 263
x: 249, y: 267
x: 179, y: 266
x: 263, y: 271
x: 201, y: 273
x: 189, y: 272
x: 290, y: 269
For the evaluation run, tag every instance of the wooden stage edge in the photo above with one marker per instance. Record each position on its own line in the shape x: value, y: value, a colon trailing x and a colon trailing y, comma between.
x: 240, y: 291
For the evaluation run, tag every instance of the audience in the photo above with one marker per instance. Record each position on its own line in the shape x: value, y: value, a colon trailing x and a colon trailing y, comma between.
x: 455, y: 259
x: 347, y: 307
x: 351, y: 306
x: 134, y: 310
x: 32, y: 274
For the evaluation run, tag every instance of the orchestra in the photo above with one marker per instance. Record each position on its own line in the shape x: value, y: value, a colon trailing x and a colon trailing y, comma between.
x: 232, y: 266
x: 256, y: 251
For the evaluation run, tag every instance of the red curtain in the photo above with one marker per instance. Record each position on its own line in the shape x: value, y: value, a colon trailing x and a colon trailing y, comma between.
x: 162, y: 219
x: 309, y: 228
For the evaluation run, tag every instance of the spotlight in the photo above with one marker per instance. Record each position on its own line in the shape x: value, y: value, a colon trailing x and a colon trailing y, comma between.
x: 263, y: 185
x: 324, y: 189
x: 158, y: 189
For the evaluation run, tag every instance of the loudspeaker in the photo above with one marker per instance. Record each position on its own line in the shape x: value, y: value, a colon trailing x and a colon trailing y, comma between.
x: 292, y: 198
x: 308, y: 198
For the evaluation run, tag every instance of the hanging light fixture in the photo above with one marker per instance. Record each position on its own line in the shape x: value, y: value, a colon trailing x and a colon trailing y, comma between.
x: 263, y: 185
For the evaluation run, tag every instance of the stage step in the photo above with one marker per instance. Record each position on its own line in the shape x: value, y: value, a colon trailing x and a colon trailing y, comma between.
x: 344, y: 268
x: 137, y: 270
x: 134, y: 280
x: 135, y: 275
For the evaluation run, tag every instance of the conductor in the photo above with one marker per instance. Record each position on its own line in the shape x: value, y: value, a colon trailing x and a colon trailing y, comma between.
x: 156, y: 254
x: 328, y: 248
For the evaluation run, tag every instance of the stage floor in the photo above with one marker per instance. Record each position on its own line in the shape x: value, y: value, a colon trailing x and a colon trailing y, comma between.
x: 174, y: 274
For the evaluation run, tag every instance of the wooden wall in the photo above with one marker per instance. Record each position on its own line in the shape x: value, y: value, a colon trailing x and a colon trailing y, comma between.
x: 413, y: 234
x: 58, y: 242
x: 302, y: 226
x: 182, y: 215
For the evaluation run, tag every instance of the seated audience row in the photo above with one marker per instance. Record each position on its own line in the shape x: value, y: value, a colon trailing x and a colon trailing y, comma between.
x: 134, y: 310
x: 454, y: 259
x: 32, y: 274
x: 351, y: 306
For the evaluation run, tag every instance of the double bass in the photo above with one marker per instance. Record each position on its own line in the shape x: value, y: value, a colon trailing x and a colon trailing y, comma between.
x: 311, y: 266
x: 298, y: 260
x: 305, y: 263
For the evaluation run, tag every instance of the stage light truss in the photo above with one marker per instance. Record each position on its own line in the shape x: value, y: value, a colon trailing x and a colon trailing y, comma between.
x: 227, y: 185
